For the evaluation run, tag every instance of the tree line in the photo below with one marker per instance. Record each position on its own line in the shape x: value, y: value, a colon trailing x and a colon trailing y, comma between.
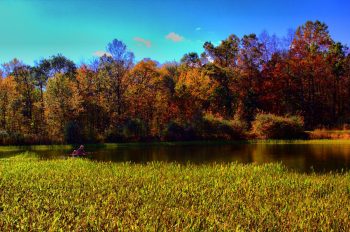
x: 200, y: 97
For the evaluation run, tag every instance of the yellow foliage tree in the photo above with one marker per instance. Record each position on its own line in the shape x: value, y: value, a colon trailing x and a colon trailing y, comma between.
x: 63, y: 104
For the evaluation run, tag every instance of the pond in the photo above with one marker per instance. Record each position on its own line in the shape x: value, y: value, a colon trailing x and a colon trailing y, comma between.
x: 301, y: 157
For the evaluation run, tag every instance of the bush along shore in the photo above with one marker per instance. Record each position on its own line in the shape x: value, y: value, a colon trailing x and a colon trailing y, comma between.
x: 82, y: 195
x: 206, y: 128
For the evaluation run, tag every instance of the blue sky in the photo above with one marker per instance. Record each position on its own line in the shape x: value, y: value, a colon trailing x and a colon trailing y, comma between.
x: 161, y: 30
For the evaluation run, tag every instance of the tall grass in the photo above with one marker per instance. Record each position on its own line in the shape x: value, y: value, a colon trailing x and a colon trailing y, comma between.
x: 329, y: 134
x: 300, y: 141
x: 82, y: 195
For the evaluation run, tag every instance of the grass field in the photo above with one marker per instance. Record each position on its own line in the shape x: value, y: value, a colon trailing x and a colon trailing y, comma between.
x: 82, y: 195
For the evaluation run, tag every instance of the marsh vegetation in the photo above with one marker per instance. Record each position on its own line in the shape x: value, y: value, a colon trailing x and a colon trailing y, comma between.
x: 78, y: 194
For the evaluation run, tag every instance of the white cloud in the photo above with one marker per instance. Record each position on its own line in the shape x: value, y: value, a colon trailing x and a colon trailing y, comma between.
x: 102, y: 53
x: 198, y: 28
x: 147, y: 43
x: 174, y: 37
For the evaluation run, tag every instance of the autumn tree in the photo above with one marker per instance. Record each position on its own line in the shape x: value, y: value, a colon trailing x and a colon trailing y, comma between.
x: 225, y: 54
x: 309, y: 47
x: 146, y: 96
x: 336, y: 60
x: 223, y: 70
x: 9, y: 67
x: 191, y: 60
x: 112, y: 71
x: 95, y: 108
x: 250, y: 63
x: 63, y: 105
x: 28, y: 96
x: 276, y: 89
x: 59, y: 64
x: 112, y: 99
x: 271, y: 45
x: 193, y: 91
x: 10, y: 106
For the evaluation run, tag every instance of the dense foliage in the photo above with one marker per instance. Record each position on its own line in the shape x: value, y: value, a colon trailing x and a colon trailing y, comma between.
x: 35, y: 195
x: 269, y: 126
x: 113, y: 99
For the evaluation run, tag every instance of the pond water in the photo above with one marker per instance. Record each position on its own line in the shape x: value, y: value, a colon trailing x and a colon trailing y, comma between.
x: 298, y: 157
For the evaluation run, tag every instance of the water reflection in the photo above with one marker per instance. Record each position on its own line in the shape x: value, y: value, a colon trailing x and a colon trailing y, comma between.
x: 299, y: 157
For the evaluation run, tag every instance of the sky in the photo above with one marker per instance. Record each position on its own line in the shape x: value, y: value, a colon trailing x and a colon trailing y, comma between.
x: 163, y: 30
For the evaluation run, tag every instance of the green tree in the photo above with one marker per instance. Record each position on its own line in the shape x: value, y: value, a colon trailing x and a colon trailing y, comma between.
x: 63, y: 104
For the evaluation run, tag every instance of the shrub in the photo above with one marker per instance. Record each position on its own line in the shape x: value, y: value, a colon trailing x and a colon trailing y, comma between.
x: 211, y: 127
x: 11, y: 138
x: 134, y: 130
x: 270, y: 126
x: 177, y: 132
x: 4, y: 136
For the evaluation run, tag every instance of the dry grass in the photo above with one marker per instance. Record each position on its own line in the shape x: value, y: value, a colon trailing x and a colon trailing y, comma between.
x: 329, y: 134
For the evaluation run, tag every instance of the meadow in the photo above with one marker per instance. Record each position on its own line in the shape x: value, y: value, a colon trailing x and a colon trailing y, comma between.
x: 83, y: 195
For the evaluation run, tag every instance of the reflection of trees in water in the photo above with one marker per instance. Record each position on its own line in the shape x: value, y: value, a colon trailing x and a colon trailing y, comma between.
x: 325, y: 151
x: 301, y: 157
x: 328, y: 157
x: 305, y: 157
x: 179, y: 153
x: 292, y: 156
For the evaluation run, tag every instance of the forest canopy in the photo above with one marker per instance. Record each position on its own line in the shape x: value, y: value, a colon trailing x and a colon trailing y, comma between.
x: 213, y: 95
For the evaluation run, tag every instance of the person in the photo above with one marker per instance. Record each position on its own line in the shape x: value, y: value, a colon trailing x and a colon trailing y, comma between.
x: 81, y: 151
